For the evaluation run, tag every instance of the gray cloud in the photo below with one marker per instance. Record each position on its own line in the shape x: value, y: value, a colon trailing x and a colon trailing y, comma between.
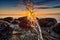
x: 47, y: 7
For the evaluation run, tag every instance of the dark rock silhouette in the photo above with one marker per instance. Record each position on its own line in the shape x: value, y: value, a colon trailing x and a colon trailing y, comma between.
x: 15, y: 21
x: 47, y: 22
x: 22, y: 28
x: 24, y: 23
x: 56, y: 28
x: 21, y: 18
x: 5, y: 30
x: 1, y: 18
x: 8, y: 19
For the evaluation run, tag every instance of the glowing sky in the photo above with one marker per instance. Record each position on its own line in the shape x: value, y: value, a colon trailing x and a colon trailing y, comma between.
x: 7, y: 7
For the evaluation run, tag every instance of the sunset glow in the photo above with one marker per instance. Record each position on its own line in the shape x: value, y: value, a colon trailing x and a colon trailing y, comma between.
x: 23, y: 12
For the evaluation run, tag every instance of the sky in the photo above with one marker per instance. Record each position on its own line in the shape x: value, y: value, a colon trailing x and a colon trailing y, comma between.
x: 43, y: 2
x: 7, y: 7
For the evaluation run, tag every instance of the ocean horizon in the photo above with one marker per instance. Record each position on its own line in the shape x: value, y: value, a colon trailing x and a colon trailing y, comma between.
x: 57, y: 17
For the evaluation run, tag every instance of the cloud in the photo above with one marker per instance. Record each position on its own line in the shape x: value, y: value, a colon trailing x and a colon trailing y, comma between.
x: 47, y: 7
x: 56, y: 7
x: 42, y: 7
x: 53, y: 14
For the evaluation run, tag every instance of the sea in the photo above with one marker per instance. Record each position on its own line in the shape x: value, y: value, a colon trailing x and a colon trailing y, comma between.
x: 57, y: 17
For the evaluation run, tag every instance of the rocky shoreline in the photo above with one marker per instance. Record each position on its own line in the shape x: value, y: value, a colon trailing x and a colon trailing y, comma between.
x: 16, y: 29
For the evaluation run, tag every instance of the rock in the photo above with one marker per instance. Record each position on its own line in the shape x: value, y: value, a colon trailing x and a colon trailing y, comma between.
x: 25, y: 23
x: 1, y: 18
x: 15, y: 21
x: 25, y: 32
x: 22, y: 30
x: 8, y: 19
x: 25, y: 35
x: 5, y: 30
x: 47, y: 22
x: 56, y: 28
x: 21, y: 18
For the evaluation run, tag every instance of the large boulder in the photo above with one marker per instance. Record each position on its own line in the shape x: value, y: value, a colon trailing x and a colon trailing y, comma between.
x: 15, y: 21
x: 8, y: 19
x: 1, y: 18
x: 21, y: 18
x: 25, y: 23
x: 5, y: 30
x: 25, y: 32
x: 47, y: 22
x: 56, y: 28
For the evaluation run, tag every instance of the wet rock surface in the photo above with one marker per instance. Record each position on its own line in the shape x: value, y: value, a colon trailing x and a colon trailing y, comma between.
x: 17, y: 29
x: 25, y: 35
x: 49, y: 26
x: 56, y: 28
x: 47, y: 22
x: 5, y: 30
